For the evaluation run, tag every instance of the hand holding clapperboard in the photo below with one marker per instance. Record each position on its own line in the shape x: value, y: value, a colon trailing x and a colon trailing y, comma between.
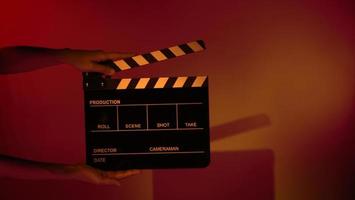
x: 146, y: 123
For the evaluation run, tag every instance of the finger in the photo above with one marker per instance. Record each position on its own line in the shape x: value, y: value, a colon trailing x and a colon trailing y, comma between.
x: 110, y: 181
x: 96, y: 67
x: 122, y: 174
x: 114, y: 55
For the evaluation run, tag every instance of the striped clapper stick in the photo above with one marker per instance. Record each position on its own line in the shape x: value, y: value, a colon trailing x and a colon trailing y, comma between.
x: 159, y: 55
x: 161, y: 82
x: 152, y: 83
x: 147, y: 123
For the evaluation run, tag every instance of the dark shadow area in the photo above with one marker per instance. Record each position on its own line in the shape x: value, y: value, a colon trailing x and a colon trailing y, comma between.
x: 239, y: 126
x: 242, y: 175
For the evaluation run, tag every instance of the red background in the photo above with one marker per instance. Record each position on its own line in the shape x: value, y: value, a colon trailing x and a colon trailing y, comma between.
x: 281, y: 89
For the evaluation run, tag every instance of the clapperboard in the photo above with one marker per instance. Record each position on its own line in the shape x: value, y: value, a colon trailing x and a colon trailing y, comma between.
x: 147, y: 123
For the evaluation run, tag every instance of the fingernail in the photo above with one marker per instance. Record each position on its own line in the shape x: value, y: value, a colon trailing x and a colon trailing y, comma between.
x: 112, y: 72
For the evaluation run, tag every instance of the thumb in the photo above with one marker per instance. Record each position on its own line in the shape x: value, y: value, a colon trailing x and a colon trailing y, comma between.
x: 115, y: 56
x: 96, y: 67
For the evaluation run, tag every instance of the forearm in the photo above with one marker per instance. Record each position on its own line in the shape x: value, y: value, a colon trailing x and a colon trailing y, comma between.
x: 26, y: 169
x: 12, y: 167
x: 24, y: 58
